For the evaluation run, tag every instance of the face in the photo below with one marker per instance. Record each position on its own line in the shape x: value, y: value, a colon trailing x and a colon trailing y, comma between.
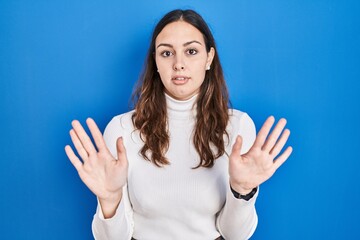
x: 182, y: 59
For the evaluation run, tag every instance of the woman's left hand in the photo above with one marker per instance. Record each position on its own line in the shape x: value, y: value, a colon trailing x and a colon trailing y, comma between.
x: 249, y: 170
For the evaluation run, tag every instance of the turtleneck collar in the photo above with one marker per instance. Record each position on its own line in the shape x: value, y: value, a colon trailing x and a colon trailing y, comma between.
x: 180, y: 108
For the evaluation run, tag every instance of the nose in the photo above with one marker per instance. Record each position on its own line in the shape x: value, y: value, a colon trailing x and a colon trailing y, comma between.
x: 176, y: 68
x: 179, y: 63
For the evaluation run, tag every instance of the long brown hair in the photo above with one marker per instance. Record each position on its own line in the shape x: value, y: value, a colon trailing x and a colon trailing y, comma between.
x: 150, y: 116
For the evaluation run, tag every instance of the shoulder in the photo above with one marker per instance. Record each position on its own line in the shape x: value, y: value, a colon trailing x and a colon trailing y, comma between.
x: 119, y: 126
x: 235, y: 113
x: 120, y: 122
x: 240, y: 120
x: 240, y: 123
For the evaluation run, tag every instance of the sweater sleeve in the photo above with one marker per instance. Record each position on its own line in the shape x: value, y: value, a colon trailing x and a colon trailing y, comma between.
x: 120, y: 226
x: 238, y: 219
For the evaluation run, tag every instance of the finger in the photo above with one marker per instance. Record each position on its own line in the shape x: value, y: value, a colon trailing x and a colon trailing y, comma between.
x: 121, y: 151
x: 281, y: 143
x: 264, y: 131
x: 96, y: 134
x: 236, y: 149
x: 282, y: 158
x: 78, y: 145
x: 271, y: 140
x: 73, y: 158
x: 84, y: 138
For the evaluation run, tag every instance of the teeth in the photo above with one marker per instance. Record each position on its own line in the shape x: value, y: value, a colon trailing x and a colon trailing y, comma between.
x: 181, y: 78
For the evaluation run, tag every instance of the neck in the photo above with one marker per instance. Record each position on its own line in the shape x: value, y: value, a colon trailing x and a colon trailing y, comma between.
x: 180, y: 108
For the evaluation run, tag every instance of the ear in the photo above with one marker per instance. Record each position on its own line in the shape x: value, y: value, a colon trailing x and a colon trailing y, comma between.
x: 210, y: 57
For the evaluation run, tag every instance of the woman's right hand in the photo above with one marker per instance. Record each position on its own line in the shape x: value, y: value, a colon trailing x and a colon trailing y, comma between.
x: 99, y: 170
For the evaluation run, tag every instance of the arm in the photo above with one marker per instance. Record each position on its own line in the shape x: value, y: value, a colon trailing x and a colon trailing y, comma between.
x: 104, y: 174
x: 238, y: 218
x: 248, y: 168
x: 119, y: 226
x: 113, y: 220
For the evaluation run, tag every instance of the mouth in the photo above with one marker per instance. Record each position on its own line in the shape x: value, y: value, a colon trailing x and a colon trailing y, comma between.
x: 180, y: 80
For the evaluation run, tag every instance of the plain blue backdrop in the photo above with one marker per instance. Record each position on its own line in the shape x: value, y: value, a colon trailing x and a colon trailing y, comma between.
x: 64, y: 60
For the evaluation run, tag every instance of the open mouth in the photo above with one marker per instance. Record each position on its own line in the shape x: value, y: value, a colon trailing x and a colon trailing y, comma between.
x: 180, y: 80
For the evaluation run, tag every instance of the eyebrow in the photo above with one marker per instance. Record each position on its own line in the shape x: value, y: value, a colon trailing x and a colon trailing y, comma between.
x: 185, y: 44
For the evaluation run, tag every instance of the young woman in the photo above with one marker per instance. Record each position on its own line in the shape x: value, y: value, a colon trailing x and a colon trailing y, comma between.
x: 181, y: 165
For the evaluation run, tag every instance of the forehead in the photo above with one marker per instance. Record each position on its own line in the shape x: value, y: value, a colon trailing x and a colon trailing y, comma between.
x: 178, y: 33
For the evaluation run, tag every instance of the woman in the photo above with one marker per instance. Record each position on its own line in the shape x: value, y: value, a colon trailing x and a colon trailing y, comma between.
x: 180, y: 165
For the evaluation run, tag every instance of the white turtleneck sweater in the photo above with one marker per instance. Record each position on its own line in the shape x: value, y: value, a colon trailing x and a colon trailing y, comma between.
x: 176, y: 201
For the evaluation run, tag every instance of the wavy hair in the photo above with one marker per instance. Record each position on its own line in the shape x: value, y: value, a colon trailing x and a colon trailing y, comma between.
x: 150, y: 115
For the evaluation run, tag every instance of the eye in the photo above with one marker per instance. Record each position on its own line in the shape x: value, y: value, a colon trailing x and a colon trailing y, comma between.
x: 192, y: 51
x: 166, y: 53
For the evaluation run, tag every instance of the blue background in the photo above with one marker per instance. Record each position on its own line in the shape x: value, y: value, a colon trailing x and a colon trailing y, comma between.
x: 64, y: 60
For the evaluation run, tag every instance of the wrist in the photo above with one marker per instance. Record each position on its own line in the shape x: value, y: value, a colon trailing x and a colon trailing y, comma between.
x: 241, y: 191
x: 111, y: 197
x: 245, y: 197
x: 109, y: 205
x: 241, y: 188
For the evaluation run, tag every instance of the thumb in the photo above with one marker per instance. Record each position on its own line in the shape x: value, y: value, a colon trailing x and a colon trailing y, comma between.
x: 121, y: 151
x: 236, y: 149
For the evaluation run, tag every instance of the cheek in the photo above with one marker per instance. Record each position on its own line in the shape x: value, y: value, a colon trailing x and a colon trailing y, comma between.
x: 161, y: 69
x: 198, y: 64
x: 165, y: 74
x: 162, y: 64
x: 198, y: 69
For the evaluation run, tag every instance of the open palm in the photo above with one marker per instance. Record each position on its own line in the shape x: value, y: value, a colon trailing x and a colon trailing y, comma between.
x: 99, y: 170
x: 249, y: 170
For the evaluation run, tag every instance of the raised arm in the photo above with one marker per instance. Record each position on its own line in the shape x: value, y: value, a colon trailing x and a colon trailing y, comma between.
x: 248, y: 168
x: 251, y: 169
x: 104, y: 175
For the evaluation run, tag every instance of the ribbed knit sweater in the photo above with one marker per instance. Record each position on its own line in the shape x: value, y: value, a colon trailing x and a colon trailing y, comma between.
x: 177, y: 201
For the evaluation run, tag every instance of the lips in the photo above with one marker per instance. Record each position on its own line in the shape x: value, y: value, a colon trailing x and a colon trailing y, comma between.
x: 179, y: 80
